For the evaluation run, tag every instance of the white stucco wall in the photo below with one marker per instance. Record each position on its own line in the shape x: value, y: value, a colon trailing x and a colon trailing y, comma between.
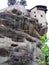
x: 39, y: 15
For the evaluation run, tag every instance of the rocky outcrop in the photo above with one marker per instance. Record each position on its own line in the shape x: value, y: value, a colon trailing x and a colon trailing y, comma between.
x: 19, y: 38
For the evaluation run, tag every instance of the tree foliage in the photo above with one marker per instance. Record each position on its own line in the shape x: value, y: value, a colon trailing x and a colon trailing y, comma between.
x: 44, y: 48
x: 23, y: 2
x: 11, y: 2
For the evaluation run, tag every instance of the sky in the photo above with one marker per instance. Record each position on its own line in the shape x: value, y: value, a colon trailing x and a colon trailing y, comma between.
x: 30, y: 4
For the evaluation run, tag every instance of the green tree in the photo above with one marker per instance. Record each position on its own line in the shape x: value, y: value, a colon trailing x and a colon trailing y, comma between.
x: 11, y: 2
x: 23, y: 2
x: 45, y: 48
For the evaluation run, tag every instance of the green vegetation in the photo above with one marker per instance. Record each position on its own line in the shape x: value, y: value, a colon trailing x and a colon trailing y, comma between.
x: 23, y: 2
x: 45, y: 49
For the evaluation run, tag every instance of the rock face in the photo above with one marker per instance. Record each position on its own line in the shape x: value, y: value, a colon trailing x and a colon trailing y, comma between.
x: 20, y: 53
x: 19, y: 37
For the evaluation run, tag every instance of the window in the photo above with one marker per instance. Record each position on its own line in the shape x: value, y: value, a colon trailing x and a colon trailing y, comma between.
x: 35, y: 16
x: 41, y: 15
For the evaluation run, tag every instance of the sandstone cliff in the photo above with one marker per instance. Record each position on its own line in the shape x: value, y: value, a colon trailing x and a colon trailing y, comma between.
x: 19, y: 38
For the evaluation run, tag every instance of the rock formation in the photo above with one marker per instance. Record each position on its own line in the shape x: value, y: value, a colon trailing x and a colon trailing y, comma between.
x: 20, y: 38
